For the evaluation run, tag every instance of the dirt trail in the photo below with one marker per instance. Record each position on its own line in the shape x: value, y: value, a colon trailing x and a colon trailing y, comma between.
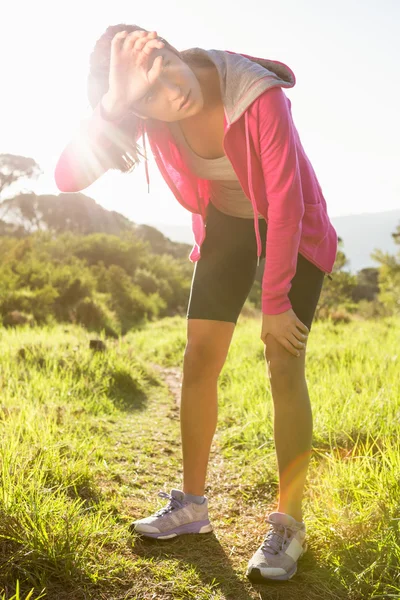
x: 172, y: 377
x: 238, y: 506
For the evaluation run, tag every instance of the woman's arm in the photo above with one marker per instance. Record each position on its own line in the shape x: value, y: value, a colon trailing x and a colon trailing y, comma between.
x: 85, y: 158
x: 100, y: 144
x: 285, y: 199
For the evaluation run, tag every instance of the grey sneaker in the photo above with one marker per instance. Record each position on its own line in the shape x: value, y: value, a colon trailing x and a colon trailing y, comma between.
x: 276, y: 558
x: 178, y: 517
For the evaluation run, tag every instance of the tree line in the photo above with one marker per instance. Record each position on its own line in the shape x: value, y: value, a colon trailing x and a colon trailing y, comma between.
x: 64, y: 258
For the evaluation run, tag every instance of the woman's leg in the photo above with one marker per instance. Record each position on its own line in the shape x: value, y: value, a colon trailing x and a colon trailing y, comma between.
x: 207, y: 347
x: 292, y: 424
x: 222, y: 280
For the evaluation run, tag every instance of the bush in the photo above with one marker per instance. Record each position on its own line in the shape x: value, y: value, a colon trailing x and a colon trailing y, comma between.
x: 37, y: 303
x: 340, y: 316
x: 101, y: 281
x: 14, y: 318
x: 94, y: 315
x: 110, y: 250
x: 147, y: 281
x: 372, y: 310
x: 129, y: 300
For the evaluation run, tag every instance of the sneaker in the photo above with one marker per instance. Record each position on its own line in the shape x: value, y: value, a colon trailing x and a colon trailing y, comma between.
x: 276, y: 559
x: 178, y: 517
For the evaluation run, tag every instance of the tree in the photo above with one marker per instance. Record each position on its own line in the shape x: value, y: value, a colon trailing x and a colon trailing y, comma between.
x: 338, y: 291
x: 13, y: 168
x: 367, y: 287
x: 389, y: 275
x: 66, y: 212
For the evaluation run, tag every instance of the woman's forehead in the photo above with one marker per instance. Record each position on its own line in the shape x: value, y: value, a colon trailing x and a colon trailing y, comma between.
x: 163, y: 52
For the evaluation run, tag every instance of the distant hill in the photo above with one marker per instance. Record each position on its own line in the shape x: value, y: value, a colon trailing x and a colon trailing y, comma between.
x: 26, y: 213
x: 361, y: 234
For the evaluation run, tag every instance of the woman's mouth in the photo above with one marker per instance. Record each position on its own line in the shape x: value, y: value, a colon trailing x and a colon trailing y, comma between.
x: 186, y: 101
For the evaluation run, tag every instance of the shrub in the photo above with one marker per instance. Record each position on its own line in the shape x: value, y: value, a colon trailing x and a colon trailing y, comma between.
x: 147, y: 281
x: 38, y: 303
x: 95, y: 316
x: 14, y: 318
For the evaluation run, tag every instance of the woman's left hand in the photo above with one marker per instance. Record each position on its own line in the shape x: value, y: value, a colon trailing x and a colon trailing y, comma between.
x: 287, y: 329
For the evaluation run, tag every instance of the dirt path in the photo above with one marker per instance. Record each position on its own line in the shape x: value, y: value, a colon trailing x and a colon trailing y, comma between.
x: 237, y: 511
x: 172, y: 377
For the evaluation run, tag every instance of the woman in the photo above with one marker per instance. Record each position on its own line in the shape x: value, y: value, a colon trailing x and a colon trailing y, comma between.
x: 222, y: 134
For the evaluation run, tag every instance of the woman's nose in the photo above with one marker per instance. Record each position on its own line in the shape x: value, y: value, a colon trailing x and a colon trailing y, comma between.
x: 173, y: 91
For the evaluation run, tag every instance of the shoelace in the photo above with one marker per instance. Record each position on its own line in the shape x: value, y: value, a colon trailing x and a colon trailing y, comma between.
x: 275, y: 539
x: 172, y: 504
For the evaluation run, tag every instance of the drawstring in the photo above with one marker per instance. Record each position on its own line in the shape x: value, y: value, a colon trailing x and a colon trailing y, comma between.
x: 250, y: 182
x: 203, y: 193
x: 146, y: 166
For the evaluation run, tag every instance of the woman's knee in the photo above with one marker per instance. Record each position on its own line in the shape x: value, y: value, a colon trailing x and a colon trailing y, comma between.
x: 200, y: 361
x: 284, y: 369
x: 206, y: 350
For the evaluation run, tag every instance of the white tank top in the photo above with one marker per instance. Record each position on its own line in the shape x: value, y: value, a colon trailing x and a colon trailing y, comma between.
x: 227, y: 194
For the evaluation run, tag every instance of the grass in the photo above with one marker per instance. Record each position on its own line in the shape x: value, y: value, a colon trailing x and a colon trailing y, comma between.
x: 88, y: 438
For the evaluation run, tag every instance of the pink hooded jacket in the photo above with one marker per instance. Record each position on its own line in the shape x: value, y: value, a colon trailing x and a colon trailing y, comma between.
x: 264, y: 148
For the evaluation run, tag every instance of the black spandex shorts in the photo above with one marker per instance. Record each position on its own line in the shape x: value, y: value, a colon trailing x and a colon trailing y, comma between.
x: 225, y: 273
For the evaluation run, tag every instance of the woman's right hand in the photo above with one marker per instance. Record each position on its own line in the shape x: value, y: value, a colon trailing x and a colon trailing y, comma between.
x: 130, y: 77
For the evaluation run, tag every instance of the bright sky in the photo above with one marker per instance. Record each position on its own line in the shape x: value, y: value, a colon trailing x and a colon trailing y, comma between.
x: 345, y: 55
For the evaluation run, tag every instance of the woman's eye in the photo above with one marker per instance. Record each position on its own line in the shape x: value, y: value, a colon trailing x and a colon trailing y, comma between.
x: 150, y: 95
x: 148, y: 98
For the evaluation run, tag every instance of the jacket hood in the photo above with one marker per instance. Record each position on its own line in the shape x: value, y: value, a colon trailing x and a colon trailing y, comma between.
x: 243, y: 78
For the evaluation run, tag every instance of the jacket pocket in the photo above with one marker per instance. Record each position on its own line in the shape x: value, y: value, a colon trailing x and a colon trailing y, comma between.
x: 315, y: 226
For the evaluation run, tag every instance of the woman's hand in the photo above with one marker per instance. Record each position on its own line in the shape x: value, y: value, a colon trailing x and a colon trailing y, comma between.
x: 130, y: 77
x: 287, y: 329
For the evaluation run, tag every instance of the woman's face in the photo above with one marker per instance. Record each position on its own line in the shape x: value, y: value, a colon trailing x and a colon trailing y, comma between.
x: 164, y: 99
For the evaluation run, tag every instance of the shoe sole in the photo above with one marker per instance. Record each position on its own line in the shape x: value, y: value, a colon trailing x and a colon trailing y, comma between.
x: 255, y: 575
x: 196, y: 527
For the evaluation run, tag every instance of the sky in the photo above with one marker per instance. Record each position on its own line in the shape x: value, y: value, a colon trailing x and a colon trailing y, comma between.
x: 344, y: 54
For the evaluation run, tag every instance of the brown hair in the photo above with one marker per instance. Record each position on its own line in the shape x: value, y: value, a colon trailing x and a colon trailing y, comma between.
x: 123, y: 152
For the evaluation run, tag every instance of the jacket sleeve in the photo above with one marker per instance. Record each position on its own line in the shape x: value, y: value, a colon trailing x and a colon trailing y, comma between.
x: 284, y: 196
x: 85, y: 157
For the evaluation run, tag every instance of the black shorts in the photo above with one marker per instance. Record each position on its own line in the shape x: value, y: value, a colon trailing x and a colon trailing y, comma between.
x: 224, y: 275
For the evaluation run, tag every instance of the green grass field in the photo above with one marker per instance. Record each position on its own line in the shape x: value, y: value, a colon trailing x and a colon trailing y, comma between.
x: 89, y: 438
